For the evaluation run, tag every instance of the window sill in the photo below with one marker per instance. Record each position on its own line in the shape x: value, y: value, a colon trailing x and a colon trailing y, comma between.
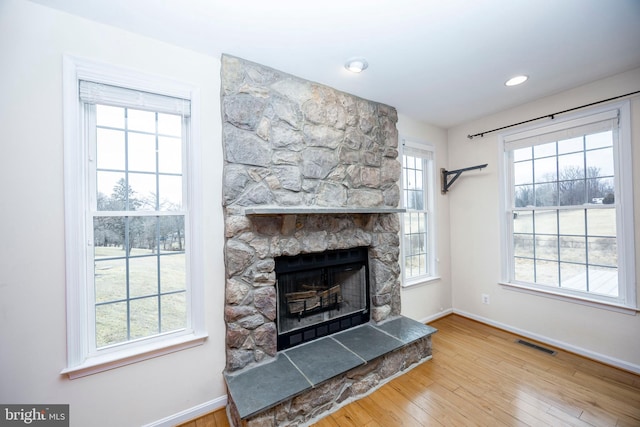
x: 96, y: 364
x: 571, y: 298
x: 419, y: 281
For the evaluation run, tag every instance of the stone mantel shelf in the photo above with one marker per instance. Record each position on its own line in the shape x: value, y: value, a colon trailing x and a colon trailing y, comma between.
x: 317, y: 210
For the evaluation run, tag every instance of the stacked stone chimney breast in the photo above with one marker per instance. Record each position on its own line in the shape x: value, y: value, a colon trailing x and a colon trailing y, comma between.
x: 326, y: 165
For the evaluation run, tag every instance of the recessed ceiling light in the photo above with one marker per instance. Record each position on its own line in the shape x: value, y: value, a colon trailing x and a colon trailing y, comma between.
x: 514, y: 81
x: 356, y: 65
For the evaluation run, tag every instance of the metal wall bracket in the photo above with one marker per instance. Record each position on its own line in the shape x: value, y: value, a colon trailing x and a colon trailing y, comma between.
x: 444, y: 175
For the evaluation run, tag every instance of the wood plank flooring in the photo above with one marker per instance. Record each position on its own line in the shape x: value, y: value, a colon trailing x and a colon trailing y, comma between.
x: 479, y: 376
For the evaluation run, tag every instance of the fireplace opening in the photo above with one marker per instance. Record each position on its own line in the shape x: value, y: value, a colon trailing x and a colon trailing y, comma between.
x: 320, y: 294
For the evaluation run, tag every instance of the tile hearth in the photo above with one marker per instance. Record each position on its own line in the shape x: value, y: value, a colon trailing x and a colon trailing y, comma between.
x: 307, y: 366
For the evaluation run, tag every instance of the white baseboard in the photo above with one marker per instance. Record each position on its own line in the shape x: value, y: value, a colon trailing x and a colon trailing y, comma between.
x: 191, y: 413
x: 436, y: 316
x: 607, y: 360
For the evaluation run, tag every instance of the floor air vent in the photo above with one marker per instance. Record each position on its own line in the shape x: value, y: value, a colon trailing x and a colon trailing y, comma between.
x: 537, y: 347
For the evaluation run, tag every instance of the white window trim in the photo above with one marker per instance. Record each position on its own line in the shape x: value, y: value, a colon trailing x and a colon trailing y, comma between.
x: 627, y: 302
x: 430, y: 184
x: 79, y: 361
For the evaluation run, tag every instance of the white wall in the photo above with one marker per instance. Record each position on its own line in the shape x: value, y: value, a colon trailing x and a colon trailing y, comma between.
x: 32, y: 274
x: 429, y: 300
x: 32, y: 287
x: 475, y: 248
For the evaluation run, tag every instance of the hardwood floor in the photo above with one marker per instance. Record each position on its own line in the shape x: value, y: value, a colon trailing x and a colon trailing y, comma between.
x: 479, y: 376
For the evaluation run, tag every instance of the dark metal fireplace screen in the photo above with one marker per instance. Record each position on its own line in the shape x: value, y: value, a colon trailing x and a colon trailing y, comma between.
x: 321, y: 294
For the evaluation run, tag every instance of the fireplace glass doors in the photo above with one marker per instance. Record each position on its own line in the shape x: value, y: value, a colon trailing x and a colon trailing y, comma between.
x: 320, y: 294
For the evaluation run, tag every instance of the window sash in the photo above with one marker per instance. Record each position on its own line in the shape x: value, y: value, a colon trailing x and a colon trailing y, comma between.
x: 128, y: 336
x: 417, y: 224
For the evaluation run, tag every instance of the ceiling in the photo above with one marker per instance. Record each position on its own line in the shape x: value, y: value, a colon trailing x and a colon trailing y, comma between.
x: 442, y: 62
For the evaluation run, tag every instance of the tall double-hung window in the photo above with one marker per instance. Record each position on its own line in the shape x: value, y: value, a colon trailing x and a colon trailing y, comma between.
x: 418, y: 247
x: 568, y: 226
x: 131, y: 258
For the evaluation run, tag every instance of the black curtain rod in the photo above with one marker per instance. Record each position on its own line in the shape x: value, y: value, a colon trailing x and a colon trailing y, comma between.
x: 552, y: 116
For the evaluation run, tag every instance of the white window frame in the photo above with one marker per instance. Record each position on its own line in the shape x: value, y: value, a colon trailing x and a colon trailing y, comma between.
x: 427, y: 152
x: 626, y: 301
x: 81, y: 361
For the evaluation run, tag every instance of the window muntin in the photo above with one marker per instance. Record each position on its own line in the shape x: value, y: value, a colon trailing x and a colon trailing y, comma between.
x: 417, y: 225
x: 564, y: 209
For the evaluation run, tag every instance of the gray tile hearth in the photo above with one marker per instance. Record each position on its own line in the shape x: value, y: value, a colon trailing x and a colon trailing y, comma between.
x: 368, y: 342
x: 405, y: 329
x: 265, y: 385
x: 323, y: 359
x: 307, y: 366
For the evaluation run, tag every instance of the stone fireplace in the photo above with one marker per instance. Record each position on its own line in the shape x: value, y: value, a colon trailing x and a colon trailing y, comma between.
x: 311, y: 200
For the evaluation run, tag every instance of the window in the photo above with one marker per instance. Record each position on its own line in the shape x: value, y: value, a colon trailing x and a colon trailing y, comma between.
x: 568, y: 227
x: 134, y: 278
x: 417, y: 226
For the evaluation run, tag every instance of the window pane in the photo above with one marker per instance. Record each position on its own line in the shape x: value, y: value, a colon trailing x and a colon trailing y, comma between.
x: 524, y: 196
x: 414, y: 199
x: 572, y: 193
x: 110, y: 116
x: 523, y: 222
x: 600, y: 162
x: 169, y: 155
x: 522, y: 154
x: 571, y: 166
x: 110, y: 277
x: 603, y: 281
x: 172, y: 268
x: 571, y: 145
x: 546, y: 194
x: 143, y: 276
x: 573, y: 249
x: 170, y: 194
x: 602, y: 251
x: 111, y: 324
x: 110, y: 150
x: 410, y: 176
x: 598, y: 140
x: 574, y: 276
x: 547, y: 272
x: 544, y: 150
x: 523, y: 172
x: 523, y: 245
x: 144, y: 317
x: 418, y: 180
x: 572, y: 222
x: 545, y: 170
x: 601, y: 222
x: 174, y: 311
x: 111, y: 194
x: 144, y: 121
x: 108, y: 237
x: 143, y: 191
x: 546, y: 222
x: 524, y: 270
x: 142, y: 152
x: 169, y: 124
x: 546, y: 247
